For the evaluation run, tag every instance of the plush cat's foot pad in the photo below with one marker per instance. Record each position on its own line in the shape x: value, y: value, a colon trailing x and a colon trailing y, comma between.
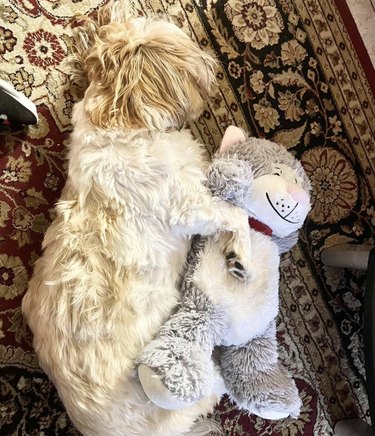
x: 157, y: 392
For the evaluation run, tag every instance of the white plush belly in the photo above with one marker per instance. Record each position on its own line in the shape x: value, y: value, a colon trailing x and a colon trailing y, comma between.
x: 250, y: 305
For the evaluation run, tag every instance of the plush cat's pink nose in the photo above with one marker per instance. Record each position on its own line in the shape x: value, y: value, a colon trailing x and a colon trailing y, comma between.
x: 298, y: 194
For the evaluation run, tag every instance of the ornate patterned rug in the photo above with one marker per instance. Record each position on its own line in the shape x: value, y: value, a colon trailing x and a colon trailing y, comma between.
x: 288, y: 71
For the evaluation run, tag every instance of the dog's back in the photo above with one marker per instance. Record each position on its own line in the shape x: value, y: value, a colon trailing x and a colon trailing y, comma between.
x: 105, y: 284
x: 107, y: 279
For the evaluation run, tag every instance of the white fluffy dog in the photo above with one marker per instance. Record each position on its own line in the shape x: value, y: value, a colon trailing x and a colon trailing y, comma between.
x: 134, y: 195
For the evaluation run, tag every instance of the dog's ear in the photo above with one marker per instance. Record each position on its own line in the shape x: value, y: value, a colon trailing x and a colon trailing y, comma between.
x: 146, y: 74
x: 85, y: 33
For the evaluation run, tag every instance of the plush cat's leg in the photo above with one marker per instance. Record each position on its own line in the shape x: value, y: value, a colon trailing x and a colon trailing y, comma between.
x: 176, y: 367
x: 257, y: 381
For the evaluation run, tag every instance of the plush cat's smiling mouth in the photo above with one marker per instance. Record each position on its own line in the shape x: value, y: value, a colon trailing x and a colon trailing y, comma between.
x: 284, y: 217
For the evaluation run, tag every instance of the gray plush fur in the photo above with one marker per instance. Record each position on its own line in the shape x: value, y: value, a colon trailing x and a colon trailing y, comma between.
x: 286, y: 243
x: 260, y: 154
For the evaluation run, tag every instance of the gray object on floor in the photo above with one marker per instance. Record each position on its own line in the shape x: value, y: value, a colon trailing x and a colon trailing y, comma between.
x: 360, y: 257
x: 15, y: 106
x: 353, y: 427
x: 347, y: 256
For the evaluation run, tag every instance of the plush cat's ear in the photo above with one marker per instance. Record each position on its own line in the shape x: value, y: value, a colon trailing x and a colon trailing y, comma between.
x: 233, y: 135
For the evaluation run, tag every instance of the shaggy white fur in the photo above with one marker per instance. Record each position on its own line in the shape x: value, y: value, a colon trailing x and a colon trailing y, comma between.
x: 134, y: 194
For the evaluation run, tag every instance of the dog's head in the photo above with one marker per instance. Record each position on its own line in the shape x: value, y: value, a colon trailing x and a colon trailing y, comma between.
x: 144, y: 73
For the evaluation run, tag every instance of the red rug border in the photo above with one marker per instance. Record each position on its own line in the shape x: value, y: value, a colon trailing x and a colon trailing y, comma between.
x: 359, y: 46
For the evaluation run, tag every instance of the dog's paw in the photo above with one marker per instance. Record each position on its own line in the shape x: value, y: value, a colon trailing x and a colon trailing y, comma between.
x: 235, y: 268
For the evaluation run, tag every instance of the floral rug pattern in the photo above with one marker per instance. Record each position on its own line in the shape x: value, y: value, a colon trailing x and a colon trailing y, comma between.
x: 287, y: 71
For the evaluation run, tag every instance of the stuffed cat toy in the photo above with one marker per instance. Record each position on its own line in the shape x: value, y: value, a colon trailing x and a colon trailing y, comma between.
x: 223, y: 308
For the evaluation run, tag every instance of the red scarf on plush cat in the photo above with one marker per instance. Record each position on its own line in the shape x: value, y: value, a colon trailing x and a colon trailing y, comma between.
x: 259, y: 226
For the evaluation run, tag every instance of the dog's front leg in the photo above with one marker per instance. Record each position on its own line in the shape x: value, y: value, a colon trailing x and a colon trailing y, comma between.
x: 209, y: 215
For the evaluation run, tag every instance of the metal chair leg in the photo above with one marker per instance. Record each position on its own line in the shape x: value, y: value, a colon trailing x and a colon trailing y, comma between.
x: 352, y: 427
x: 369, y: 333
x: 360, y: 257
